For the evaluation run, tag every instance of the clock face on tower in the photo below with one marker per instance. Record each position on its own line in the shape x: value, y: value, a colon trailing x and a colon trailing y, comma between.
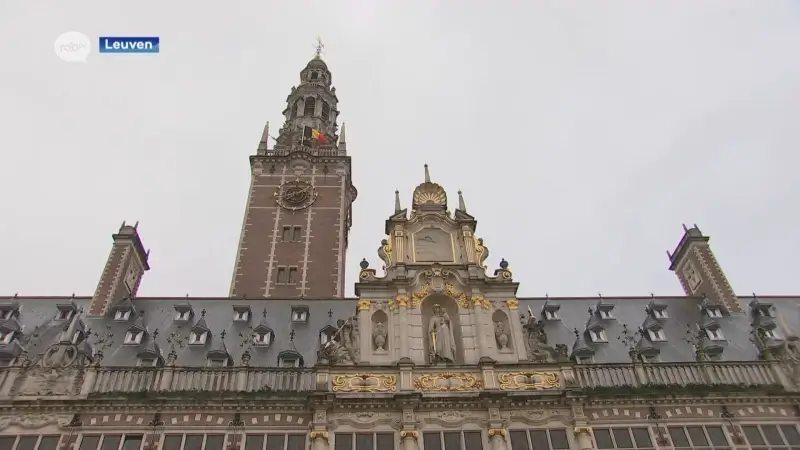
x: 295, y: 195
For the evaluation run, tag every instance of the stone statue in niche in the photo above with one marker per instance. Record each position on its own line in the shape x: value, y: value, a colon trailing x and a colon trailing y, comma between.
x: 501, y: 335
x: 342, y: 346
x: 442, y: 343
x: 379, y: 337
x: 536, y: 342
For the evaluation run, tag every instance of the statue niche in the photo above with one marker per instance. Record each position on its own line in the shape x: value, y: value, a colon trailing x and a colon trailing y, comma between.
x: 443, y: 332
x: 380, y: 337
x: 502, y: 332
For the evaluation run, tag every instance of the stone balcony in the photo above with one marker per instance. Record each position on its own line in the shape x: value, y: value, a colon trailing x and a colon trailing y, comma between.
x: 95, y: 381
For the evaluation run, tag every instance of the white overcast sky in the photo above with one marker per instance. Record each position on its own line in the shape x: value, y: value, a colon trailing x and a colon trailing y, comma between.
x: 582, y: 133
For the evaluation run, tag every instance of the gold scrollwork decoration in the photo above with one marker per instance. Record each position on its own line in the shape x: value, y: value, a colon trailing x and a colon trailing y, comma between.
x: 497, y: 432
x: 416, y: 297
x: 528, y: 381
x: 364, y: 305
x: 448, y: 381
x: 512, y: 303
x: 461, y: 298
x: 480, y: 301
x: 413, y: 434
x: 319, y: 434
x: 365, y: 382
x: 400, y: 300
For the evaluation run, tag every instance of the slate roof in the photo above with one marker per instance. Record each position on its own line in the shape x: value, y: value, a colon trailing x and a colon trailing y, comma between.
x: 37, y: 321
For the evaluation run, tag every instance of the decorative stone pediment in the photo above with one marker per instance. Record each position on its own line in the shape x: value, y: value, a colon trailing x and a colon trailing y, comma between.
x: 58, y: 371
x: 34, y: 421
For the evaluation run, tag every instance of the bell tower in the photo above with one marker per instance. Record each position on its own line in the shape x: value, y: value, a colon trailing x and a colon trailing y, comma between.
x: 298, y: 214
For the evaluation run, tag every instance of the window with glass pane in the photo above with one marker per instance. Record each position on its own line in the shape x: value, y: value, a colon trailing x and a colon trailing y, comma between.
x: 254, y: 442
x: 623, y: 438
x: 364, y: 441
x: 699, y: 437
x: 539, y: 439
x: 87, y: 443
x: 453, y: 440
x: 132, y: 442
x: 771, y: 437
x: 214, y: 442
x: 110, y: 442
x: 7, y: 442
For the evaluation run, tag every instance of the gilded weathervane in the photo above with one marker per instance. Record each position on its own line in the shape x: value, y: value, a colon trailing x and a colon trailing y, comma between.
x: 318, y: 48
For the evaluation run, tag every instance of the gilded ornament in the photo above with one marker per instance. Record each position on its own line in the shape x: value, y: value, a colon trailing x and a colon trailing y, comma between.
x: 416, y: 297
x: 364, y: 274
x: 497, y: 432
x: 480, y: 301
x: 402, y: 300
x: 413, y: 434
x: 528, y: 381
x: 481, y: 252
x: 448, y: 381
x: 365, y: 382
x: 461, y: 298
x: 430, y: 194
x: 364, y: 305
x: 512, y: 303
x: 319, y: 434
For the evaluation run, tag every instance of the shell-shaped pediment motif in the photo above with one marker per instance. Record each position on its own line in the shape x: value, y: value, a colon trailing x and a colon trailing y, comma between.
x: 430, y: 194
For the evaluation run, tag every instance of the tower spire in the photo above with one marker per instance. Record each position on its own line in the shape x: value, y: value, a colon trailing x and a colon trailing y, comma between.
x: 342, y: 139
x: 461, y: 204
x: 397, y: 207
x: 427, y: 174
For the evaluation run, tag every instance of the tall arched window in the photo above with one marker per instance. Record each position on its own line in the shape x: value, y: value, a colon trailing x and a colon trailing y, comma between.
x: 311, y: 104
x: 326, y: 110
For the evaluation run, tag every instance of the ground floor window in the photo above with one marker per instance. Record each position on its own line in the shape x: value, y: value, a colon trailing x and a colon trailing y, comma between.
x: 364, y: 441
x: 109, y: 442
x: 452, y: 440
x: 539, y: 439
x: 193, y: 442
x: 771, y: 437
x: 275, y: 442
x: 24, y: 442
x: 610, y: 438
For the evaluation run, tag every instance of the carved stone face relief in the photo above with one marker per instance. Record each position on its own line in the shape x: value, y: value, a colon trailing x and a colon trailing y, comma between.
x: 433, y: 245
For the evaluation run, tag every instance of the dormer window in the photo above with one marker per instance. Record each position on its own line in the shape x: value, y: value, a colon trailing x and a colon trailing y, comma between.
x: 241, y: 313
x: 290, y: 359
x: 183, y: 316
x: 64, y: 314
x: 550, y: 310
x: 78, y: 337
x: 262, y: 338
x: 649, y: 358
x: 598, y: 335
x: 764, y: 312
x: 6, y: 337
x: 217, y: 362
x: 7, y: 314
x: 148, y: 361
x: 122, y: 315
x: 605, y: 314
x: 771, y: 333
x: 551, y: 315
x: 327, y: 334
x: 657, y: 335
x: 198, y: 337
x: 714, y: 312
x: 660, y: 314
x: 583, y: 359
x: 715, y: 334
x: 299, y: 314
x: 134, y: 337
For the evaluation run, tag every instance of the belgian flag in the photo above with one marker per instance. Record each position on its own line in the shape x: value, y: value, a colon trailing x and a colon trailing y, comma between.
x: 314, y: 135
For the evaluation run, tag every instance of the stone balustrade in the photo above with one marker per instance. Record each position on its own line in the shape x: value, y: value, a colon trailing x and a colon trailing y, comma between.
x: 490, y: 376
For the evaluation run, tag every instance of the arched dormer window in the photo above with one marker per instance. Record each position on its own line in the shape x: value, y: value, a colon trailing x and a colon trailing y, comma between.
x: 326, y: 334
x: 289, y: 359
x: 326, y: 110
x: 310, y: 106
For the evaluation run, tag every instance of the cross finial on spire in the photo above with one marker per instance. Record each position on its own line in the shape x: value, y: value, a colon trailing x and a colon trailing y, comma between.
x: 318, y: 48
x: 427, y: 174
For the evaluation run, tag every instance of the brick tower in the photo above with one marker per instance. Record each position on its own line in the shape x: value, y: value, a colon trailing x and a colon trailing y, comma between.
x: 127, y: 262
x: 698, y: 270
x: 298, y: 213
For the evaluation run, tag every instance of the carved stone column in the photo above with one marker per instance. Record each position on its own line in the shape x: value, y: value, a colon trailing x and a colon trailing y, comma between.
x: 469, y: 244
x: 365, y: 330
x: 516, y: 328
x: 401, y: 302
x: 320, y: 439
x: 583, y: 436
x: 497, y: 439
x: 479, y: 315
x: 319, y: 435
x: 409, y: 439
